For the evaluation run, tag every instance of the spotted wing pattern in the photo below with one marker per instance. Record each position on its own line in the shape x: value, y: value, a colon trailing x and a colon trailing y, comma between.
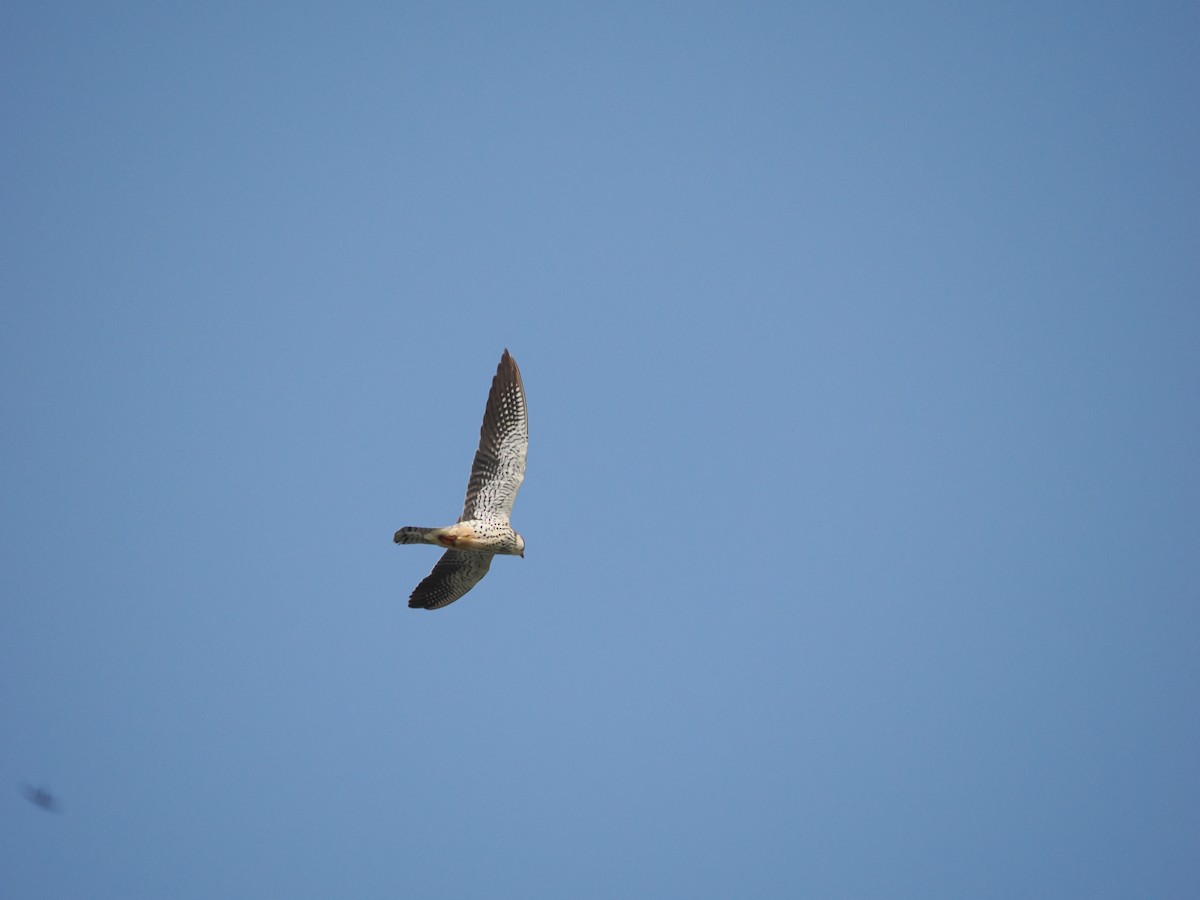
x: 455, y: 573
x: 499, y: 466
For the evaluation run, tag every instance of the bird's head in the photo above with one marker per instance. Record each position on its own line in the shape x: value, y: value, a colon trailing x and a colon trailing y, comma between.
x: 520, y: 546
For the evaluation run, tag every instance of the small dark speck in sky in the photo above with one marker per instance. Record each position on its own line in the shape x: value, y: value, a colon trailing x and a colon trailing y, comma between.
x: 39, y: 796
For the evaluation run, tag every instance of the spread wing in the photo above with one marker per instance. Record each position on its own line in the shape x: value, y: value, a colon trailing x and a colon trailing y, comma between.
x: 499, y: 466
x: 455, y: 573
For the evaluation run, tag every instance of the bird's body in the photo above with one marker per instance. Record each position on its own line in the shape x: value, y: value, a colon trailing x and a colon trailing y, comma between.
x: 483, y: 530
x: 493, y: 535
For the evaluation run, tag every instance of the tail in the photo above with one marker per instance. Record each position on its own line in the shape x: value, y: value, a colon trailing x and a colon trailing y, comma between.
x: 410, y: 534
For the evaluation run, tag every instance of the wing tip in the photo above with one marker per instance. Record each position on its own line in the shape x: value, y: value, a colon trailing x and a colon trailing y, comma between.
x: 507, y: 360
x: 509, y: 366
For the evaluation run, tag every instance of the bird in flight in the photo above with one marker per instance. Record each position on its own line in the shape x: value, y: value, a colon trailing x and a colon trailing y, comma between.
x: 483, y: 529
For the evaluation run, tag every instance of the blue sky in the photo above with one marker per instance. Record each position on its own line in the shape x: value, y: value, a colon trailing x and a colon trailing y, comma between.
x: 860, y: 344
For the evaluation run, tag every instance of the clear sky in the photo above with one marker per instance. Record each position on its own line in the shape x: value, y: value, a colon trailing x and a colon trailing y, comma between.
x: 862, y: 352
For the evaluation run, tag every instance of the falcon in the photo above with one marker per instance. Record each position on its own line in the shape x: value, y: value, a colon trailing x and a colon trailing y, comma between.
x: 483, y: 529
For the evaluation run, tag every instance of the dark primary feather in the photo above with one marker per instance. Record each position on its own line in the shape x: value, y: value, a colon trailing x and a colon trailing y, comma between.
x: 455, y: 573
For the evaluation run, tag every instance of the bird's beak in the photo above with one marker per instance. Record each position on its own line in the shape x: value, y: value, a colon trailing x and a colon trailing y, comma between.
x: 522, y: 554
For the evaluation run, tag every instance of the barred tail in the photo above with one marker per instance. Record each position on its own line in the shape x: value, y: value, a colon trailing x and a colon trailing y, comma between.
x: 410, y: 534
